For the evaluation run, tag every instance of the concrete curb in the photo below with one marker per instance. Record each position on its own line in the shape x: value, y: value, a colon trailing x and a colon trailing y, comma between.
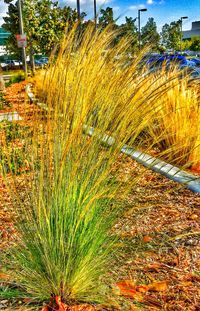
x: 172, y: 172
x: 10, y: 116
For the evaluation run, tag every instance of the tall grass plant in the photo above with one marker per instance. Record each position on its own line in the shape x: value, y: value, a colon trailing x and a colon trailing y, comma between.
x: 67, y: 209
x: 176, y: 125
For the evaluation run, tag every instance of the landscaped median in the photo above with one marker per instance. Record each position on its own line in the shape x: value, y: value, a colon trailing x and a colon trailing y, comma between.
x: 90, y: 219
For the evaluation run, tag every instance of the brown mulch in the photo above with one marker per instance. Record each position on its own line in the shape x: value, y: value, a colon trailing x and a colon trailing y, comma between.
x: 159, y: 234
x: 15, y: 95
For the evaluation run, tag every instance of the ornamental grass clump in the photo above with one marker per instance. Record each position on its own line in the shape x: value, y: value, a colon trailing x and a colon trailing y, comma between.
x: 177, y: 123
x: 67, y: 209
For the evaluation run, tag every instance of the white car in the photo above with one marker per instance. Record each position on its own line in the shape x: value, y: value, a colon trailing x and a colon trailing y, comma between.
x: 11, y: 64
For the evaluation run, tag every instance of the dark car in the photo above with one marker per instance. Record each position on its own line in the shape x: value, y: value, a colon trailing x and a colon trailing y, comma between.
x: 168, y: 60
x: 196, y: 61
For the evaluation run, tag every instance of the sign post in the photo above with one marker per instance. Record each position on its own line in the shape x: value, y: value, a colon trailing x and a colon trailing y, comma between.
x: 22, y: 38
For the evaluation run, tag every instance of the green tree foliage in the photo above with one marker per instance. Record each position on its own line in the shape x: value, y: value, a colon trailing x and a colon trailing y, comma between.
x: 149, y: 33
x: 195, y: 44
x: 44, y: 23
x: 106, y: 17
x: 130, y: 29
x: 127, y: 29
x: 171, y: 35
x: 11, y: 24
x: 186, y: 44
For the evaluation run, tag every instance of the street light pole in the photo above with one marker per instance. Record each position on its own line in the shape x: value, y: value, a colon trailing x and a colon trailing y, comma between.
x: 183, y: 17
x: 139, y: 30
x: 78, y: 9
x: 95, y: 13
x: 21, y: 27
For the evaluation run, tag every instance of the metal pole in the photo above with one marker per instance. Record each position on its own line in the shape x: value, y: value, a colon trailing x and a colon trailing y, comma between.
x: 95, y: 13
x: 182, y: 17
x: 78, y: 9
x: 21, y: 27
x: 139, y: 34
x: 181, y: 34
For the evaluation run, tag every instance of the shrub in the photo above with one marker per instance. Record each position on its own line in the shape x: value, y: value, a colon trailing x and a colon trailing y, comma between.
x: 16, y: 78
x: 3, y: 102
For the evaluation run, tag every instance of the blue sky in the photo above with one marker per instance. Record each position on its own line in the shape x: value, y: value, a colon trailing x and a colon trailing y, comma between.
x: 163, y: 11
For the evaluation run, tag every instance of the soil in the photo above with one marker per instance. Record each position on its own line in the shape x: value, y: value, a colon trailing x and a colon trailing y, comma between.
x: 159, y: 234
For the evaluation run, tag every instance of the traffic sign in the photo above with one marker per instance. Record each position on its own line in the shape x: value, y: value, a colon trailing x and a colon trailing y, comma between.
x: 21, y: 41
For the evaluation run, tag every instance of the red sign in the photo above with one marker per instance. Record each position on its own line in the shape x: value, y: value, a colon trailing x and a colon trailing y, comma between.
x: 21, y: 41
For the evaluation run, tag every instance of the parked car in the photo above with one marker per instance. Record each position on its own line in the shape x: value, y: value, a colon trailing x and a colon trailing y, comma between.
x: 196, y: 61
x: 41, y: 62
x: 190, y: 63
x: 44, y: 60
x: 166, y: 60
x: 192, y: 71
x: 11, y: 64
x: 187, y: 67
x: 38, y: 63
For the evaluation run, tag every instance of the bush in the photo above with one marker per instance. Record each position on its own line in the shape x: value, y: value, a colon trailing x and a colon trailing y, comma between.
x: 16, y: 78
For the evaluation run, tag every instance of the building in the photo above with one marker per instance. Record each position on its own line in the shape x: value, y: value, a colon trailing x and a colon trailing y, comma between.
x: 3, y: 36
x: 195, y: 31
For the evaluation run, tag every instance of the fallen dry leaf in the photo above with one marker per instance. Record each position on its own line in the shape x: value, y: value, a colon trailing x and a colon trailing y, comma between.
x: 142, y: 288
x: 129, y: 289
x: 56, y: 304
x: 158, y: 286
x: 4, y: 277
x: 147, y: 239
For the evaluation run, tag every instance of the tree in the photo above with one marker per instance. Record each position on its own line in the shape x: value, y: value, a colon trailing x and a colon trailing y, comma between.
x: 171, y: 35
x: 44, y: 23
x: 195, y: 45
x: 149, y: 34
x: 129, y: 29
x: 11, y: 24
x: 186, y: 44
x: 106, y: 17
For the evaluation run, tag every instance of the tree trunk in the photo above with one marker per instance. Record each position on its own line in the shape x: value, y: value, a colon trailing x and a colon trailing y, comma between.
x: 32, y: 58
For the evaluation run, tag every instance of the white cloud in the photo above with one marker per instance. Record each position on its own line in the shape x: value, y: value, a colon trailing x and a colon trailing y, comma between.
x: 136, y: 7
x: 3, y: 7
x: 150, y: 2
x: 3, y: 10
x: 85, y: 4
